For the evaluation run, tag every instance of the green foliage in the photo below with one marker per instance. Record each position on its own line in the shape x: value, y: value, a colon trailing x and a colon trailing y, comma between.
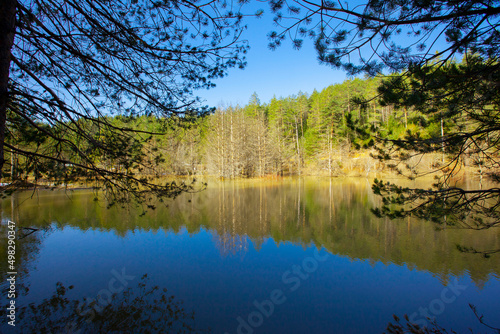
x: 459, y: 104
x: 445, y: 206
x: 286, y: 135
x: 447, y: 106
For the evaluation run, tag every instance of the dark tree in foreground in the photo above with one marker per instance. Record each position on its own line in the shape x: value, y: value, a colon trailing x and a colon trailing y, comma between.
x: 443, y: 61
x: 67, y: 66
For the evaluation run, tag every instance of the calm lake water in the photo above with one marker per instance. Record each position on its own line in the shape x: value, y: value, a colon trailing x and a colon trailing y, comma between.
x: 289, y: 256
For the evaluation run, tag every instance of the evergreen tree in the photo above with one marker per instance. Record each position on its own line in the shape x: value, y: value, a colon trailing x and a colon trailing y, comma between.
x: 400, y: 37
x: 63, y: 62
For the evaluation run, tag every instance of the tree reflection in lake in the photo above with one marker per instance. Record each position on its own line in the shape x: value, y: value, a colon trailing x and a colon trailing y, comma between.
x: 141, y: 309
x: 330, y: 213
x: 223, y: 248
x: 27, y: 244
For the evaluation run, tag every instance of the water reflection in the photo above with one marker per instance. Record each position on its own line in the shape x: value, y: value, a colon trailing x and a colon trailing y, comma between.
x: 225, y: 248
x: 331, y: 213
x: 27, y: 245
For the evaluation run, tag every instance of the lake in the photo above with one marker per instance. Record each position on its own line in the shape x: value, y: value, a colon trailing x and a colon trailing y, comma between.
x: 279, y: 256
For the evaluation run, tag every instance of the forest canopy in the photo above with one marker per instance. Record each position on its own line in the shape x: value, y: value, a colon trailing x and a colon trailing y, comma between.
x: 443, y: 57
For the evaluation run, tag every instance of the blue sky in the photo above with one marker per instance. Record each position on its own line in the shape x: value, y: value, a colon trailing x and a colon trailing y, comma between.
x: 285, y: 71
x: 282, y: 72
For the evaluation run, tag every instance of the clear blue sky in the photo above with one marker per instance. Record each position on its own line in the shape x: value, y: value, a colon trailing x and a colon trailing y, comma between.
x: 282, y: 72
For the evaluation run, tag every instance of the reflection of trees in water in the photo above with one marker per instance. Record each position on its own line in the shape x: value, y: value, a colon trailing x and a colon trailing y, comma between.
x: 27, y: 245
x: 227, y: 239
x: 142, y: 309
x: 231, y: 244
x: 331, y: 213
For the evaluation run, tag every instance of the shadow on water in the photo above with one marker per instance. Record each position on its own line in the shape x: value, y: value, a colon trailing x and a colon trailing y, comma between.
x: 141, y: 309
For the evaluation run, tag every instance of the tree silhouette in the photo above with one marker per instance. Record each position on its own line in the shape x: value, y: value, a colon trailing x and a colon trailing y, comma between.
x: 67, y: 66
x: 142, y: 309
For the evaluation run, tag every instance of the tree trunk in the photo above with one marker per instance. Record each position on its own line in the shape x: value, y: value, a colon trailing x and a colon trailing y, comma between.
x: 13, y: 166
x: 232, y: 145
x: 330, y: 149
x: 260, y: 146
x: 7, y: 32
x: 298, y: 147
x: 406, y: 118
x: 442, y: 137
